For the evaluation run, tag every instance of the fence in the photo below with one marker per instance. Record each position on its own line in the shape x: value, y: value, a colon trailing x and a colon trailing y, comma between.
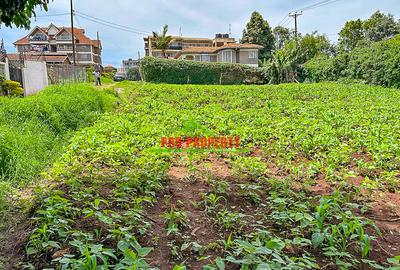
x: 60, y: 74
x: 4, y: 70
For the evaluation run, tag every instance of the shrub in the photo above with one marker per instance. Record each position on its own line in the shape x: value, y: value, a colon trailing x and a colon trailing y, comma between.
x: 189, y: 72
x: 89, y: 74
x: 108, y: 75
x: 133, y: 74
x: 326, y: 68
x: 12, y: 88
x: 377, y: 64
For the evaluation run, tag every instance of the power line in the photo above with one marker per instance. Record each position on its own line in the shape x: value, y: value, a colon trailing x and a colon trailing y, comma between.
x: 111, y: 26
x: 52, y: 15
x: 137, y: 31
x: 283, y: 20
x: 317, y: 5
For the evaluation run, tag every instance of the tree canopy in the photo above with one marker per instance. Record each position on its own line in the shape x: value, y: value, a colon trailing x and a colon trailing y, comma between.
x: 378, y: 27
x: 162, y: 40
x: 19, y: 12
x: 259, y: 32
x: 282, y: 36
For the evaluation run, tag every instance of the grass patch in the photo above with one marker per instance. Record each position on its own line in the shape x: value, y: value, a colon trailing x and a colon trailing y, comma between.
x: 34, y: 129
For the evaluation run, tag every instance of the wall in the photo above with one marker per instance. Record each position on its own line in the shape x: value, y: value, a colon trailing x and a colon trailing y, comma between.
x: 34, y: 76
x: 4, y: 69
x: 244, y: 58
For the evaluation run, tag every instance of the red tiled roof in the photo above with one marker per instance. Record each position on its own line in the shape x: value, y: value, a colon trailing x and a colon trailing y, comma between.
x: 79, y: 36
x: 240, y: 46
x: 38, y: 57
x: 200, y: 50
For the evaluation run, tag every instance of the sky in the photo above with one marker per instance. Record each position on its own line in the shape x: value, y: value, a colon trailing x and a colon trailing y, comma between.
x: 198, y: 18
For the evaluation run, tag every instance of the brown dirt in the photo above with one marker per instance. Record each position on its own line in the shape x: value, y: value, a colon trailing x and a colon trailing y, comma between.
x: 356, y: 181
x: 179, y: 191
x: 322, y: 187
x: 13, y: 238
x: 219, y: 168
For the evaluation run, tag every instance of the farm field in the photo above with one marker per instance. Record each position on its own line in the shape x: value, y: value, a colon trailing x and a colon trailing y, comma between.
x: 313, y: 184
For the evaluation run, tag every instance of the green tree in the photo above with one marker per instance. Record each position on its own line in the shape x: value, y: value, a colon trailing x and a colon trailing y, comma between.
x: 162, y: 40
x: 19, y: 12
x: 351, y: 35
x: 282, y: 36
x: 313, y: 44
x: 287, y: 63
x: 380, y: 26
x: 133, y: 74
x: 259, y: 32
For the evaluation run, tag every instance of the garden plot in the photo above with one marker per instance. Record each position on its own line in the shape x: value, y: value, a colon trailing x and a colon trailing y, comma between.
x: 314, y: 186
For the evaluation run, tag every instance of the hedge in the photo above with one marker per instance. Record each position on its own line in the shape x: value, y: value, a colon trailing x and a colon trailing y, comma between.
x: 377, y: 64
x: 158, y: 70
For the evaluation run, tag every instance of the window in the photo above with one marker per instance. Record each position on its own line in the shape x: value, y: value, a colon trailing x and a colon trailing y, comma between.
x: 252, y: 54
x: 227, y: 56
x: 64, y: 47
x: 65, y: 36
x: 39, y: 37
x: 85, y: 57
x: 205, y: 58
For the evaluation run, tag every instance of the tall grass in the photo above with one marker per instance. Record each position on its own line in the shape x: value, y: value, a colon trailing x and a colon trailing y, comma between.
x: 34, y: 129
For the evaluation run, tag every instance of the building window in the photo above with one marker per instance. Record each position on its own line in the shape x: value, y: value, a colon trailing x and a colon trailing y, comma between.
x: 39, y: 37
x: 252, y: 54
x: 65, y: 36
x: 205, y: 58
x: 65, y: 47
x: 227, y: 56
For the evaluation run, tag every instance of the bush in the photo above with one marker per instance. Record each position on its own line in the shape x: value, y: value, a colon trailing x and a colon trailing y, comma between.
x: 89, y: 74
x: 325, y: 68
x: 133, y: 74
x: 108, y: 75
x: 11, y: 88
x: 190, y: 72
x: 34, y: 129
x: 377, y: 64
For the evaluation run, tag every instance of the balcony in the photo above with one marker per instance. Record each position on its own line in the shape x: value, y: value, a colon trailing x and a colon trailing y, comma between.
x: 175, y: 47
x: 38, y: 38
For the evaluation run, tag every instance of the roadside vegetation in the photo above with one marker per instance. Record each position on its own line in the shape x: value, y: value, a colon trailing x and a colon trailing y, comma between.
x: 33, y: 130
x: 315, y: 187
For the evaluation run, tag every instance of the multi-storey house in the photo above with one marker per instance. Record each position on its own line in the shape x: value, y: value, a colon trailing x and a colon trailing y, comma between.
x: 222, y: 48
x: 57, y: 41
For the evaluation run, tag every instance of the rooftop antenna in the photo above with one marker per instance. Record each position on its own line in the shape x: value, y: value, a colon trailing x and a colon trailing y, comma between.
x: 230, y: 30
x: 180, y: 31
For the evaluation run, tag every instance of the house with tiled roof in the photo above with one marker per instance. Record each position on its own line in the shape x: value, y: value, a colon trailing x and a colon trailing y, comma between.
x: 48, y: 58
x: 222, y: 48
x: 57, y: 42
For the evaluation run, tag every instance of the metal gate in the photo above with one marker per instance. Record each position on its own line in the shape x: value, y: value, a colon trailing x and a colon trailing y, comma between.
x: 16, y: 75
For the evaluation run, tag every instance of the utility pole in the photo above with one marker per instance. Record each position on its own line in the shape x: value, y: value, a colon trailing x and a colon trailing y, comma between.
x: 73, y: 33
x: 230, y: 30
x: 295, y: 15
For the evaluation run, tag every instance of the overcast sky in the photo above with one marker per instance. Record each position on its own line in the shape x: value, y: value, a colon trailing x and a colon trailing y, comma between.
x: 200, y: 18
